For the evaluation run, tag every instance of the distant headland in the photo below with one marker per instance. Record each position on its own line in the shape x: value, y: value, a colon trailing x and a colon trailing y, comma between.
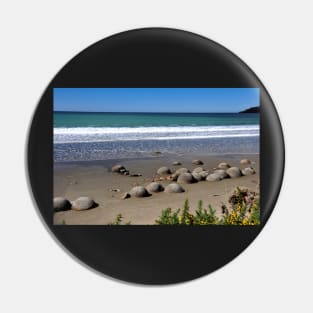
x: 251, y: 110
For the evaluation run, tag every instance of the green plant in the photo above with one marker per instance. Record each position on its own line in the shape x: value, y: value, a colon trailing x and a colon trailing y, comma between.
x: 205, y: 217
x: 168, y: 217
x: 244, y: 210
x: 118, y: 220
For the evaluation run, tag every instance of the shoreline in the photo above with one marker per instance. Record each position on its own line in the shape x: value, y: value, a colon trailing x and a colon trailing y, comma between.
x: 94, y: 178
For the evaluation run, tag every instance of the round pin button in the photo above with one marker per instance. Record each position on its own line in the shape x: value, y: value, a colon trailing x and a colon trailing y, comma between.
x: 155, y: 156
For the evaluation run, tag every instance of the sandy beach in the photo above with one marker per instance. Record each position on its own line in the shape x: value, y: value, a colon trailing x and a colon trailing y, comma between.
x: 95, y: 179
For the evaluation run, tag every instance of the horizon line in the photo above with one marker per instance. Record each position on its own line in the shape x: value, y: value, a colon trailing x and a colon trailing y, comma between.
x: 140, y: 112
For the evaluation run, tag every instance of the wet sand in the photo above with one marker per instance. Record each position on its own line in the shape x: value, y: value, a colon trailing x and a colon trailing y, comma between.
x: 95, y: 179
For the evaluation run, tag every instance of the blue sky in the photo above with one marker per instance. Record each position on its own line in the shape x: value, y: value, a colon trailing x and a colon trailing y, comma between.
x: 155, y: 99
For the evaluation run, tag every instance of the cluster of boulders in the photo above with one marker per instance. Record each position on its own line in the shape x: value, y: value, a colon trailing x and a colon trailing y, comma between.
x: 154, y: 187
x: 183, y: 176
x: 80, y: 204
x: 177, y: 178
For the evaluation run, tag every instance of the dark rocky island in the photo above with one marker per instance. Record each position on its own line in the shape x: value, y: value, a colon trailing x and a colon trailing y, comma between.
x: 251, y: 110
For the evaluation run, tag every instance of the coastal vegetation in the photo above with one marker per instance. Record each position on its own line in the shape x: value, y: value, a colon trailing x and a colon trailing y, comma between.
x: 243, y: 209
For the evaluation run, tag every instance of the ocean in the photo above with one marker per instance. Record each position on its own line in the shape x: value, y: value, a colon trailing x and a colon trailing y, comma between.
x: 82, y: 136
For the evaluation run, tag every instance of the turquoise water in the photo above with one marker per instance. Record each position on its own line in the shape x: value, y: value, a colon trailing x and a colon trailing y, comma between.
x: 78, y: 119
x: 100, y: 136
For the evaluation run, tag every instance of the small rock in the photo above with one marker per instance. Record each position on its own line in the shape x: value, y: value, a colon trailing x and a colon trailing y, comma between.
x: 155, y: 187
x: 118, y: 168
x: 174, y: 176
x: 156, y: 177
x: 135, y: 175
x: 214, y: 177
x: 248, y: 171
x: 126, y: 173
x: 61, y: 204
x: 115, y: 190
x: 164, y: 171
x: 186, y: 178
x: 157, y: 152
x: 174, y: 188
x: 245, y: 162
x: 139, y: 192
x: 223, y: 166
x: 83, y: 203
x: 234, y: 172
x: 176, y: 163
x: 125, y: 195
x: 197, y: 162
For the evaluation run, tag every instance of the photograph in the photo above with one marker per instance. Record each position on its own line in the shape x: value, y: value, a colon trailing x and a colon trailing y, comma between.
x: 156, y: 156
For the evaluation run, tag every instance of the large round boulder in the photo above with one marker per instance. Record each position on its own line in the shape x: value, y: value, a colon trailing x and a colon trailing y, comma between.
x: 118, y: 168
x: 164, y: 171
x: 155, y: 187
x: 186, y: 178
x: 198, y: 170
x: 214, y: 177
x: 139, y: 192
x: 204, y: 174
x: 83, y: 203
x: 234, y: 172
x: 61, y: 204
x: 222, y: 173
x: 182, y: 170
x: 174, y: 188
x: 197, y: 162
x: 248, y: 171
x: 223, y: 166
x: 245, y: 162
x: 197, y: 176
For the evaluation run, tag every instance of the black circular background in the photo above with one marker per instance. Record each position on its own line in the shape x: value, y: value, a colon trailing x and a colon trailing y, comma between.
x: 154, y: 57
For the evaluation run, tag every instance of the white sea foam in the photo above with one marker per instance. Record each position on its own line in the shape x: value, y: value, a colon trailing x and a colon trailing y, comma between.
x: 103, y: 134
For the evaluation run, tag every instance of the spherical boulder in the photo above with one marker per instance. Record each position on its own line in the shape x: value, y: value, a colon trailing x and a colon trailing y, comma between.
x: 164, y: 171
x: 182, y: 170
x: 118, y: 169
x: 248, y: 171
x: 186, y: 178
x: 83, y: 203
x: 214, y: 177
x: 198, y: 170
x: 197, y: 176
x: 139, y: 192
x: 174, y: 188
x: 204, y: 174
x: 61, y: 204
x: 155, y: 187
x: 234, y: 172
x: 223, y: 166
x: 221, y: 173
x: 197, y: 162
x: 245, y: 162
